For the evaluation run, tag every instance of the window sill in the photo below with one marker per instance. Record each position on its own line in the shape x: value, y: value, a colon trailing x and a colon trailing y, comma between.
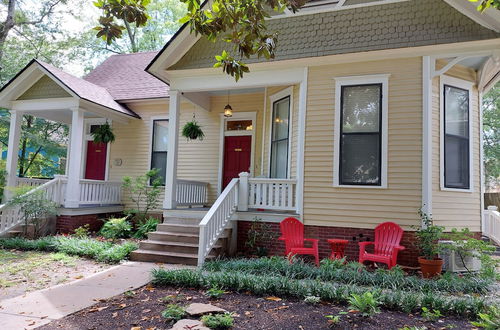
x: 457, y: 190
x: 359, y: 186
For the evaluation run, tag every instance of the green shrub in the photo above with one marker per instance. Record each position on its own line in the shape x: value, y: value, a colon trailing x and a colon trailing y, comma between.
x: 218, y: 321
x: 214, y: 292
x: 353, y: 273
x: 174, y: 312
x: 366, y: 303
x: 400, y: 300
x: 146, y: 227
x: 313, y: 300
x: 489, y: 320
x: 82, y: 231
x: 116, y: 228
x: 144, y: 192
x: 431, y: 315
x: 84, y: 247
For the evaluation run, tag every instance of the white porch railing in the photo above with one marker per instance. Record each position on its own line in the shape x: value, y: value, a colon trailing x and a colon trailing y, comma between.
x: 10, y: 216
x: 31, y: 182
x: 491, y: 224
x: 94, y: 192
x: 272, y: 194
x: 190, y: 193
x: 217, y: 219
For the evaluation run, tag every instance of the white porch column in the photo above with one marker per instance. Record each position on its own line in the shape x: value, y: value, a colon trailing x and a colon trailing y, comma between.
x: 173, y: 144
x: 243, y: 192
x: 427, y: 75
x: 301, y: 140
x: 75, y: 159
x: 16, y: 120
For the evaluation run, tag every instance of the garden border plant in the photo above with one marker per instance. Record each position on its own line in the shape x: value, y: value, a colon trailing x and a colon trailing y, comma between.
x: 399, y: 300
x: 351, y: 273
x: 84, y: 247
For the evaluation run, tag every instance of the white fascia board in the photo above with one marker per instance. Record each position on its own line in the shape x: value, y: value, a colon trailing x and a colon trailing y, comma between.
x: 63, y: 103
x: 17, y: 87
x: 490, y: 18
x: 105, y: 112
x: 218, y: 80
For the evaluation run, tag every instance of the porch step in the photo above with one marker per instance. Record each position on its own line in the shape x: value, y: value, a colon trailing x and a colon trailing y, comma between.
x: 179, y: 228
x: 178, y: 247
x: 182, y: 221
x: 166, y: 257
x: 166, y: 236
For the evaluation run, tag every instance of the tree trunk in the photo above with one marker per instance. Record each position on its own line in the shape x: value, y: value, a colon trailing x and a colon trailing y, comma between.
x: 5, y: 28
x: 131, y: 36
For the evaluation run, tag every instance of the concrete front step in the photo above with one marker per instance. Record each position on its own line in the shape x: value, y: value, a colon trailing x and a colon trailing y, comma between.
x: 166, y: 236
x: 181, y: 247
x: 166, y: 257
x: 182, y: 221
x: 178, y: 228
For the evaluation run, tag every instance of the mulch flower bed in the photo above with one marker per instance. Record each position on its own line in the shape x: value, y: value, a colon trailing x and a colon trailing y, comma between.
x: 141, y: 309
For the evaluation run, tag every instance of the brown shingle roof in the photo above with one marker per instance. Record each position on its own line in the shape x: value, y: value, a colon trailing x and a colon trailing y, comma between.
x: 125, y: 79
x: 87, y: 90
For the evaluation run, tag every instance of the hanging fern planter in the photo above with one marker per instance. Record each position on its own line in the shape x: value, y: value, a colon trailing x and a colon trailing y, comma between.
x: 103, y: 134
x: 193, y: 131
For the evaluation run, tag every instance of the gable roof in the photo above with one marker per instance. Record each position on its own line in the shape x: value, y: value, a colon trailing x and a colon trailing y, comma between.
x: 124, y: 77
x: 183, y: 41
x: 85, y: 89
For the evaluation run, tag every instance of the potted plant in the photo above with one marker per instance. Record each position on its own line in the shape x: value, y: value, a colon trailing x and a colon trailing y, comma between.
x: 103, y: 134
x: 192, y: 131
x: 428, y: 236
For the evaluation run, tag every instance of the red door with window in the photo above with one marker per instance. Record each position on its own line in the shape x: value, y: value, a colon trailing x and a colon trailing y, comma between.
x: 237, y: 157
x: 95, y: 168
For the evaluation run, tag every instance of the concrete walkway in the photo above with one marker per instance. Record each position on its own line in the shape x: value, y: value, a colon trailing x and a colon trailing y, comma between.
x: 41, y: 307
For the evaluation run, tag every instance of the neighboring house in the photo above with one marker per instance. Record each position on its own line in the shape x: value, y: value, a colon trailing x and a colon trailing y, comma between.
x: 370, y: 111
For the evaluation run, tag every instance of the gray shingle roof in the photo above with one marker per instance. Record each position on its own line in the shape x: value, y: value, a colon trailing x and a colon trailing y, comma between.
x: 87, y: 90
x: 386, y: 26
x: 125, y: 79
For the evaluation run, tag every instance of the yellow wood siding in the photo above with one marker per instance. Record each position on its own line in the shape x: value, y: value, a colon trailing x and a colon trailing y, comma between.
x: 44, y: 88
x: 454, y: 209
x: 326, y: 205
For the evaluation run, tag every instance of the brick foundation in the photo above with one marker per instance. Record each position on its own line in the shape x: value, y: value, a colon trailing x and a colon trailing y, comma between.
x: 68, y: 223
x: 408, y: 257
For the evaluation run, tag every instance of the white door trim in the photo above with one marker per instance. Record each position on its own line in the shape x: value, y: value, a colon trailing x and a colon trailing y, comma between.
x: 247, y: 115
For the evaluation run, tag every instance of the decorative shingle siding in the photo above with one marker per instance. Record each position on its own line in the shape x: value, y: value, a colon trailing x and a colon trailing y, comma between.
x: 388, y: 26
x: 44, y: 88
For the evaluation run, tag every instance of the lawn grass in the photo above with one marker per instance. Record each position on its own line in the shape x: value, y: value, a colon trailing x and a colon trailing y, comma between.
x: 101, y: 251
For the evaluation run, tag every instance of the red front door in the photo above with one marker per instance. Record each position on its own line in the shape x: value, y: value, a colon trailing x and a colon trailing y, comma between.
x: 237, y: 156
x: 95, y: 168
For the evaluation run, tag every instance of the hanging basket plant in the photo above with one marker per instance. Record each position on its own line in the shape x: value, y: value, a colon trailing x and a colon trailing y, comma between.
x: 193, y: 131
x: 103, y: 134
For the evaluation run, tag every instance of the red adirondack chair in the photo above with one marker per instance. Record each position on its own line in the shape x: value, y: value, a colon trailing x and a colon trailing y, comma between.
x: 292, y: 232
x: 386, y: 245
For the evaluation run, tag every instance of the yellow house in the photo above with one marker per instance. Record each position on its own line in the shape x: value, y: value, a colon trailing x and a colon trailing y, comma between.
x: 370, y: 111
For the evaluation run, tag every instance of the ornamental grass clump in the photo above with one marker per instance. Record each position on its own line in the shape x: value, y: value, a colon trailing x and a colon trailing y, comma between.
x: 399, y: 300
x: 352, y: 272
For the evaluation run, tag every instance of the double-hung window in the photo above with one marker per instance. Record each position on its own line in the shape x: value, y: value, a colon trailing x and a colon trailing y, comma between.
x: 361, y: 131
x: 159, y: 148
x: 456, y: 134
x: 280, y: 137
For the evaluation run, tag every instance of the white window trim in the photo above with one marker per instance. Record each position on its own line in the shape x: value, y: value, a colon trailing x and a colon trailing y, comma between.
x: 243, y: 115
x: 273, y: 98
x: 361, y: 80
x: 467, y: 85
x: 152, y: 120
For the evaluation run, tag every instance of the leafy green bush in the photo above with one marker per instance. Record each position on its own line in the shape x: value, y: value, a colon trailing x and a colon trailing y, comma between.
x: 116, y: 228
x: 214, y: 292
x: 218, y: 321
x: 489, y: 320
x: 146, y: 227
x: 431, y: 315
x: 174, y: 312
x: 400, y: 300
x: 351, y: 273
x: 84, y: 247
x: 82, y: 231
x: 366, y: 303
x: 144, y: 192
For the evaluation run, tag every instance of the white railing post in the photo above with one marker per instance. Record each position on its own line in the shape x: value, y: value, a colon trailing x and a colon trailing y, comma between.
x: 243, y: 192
